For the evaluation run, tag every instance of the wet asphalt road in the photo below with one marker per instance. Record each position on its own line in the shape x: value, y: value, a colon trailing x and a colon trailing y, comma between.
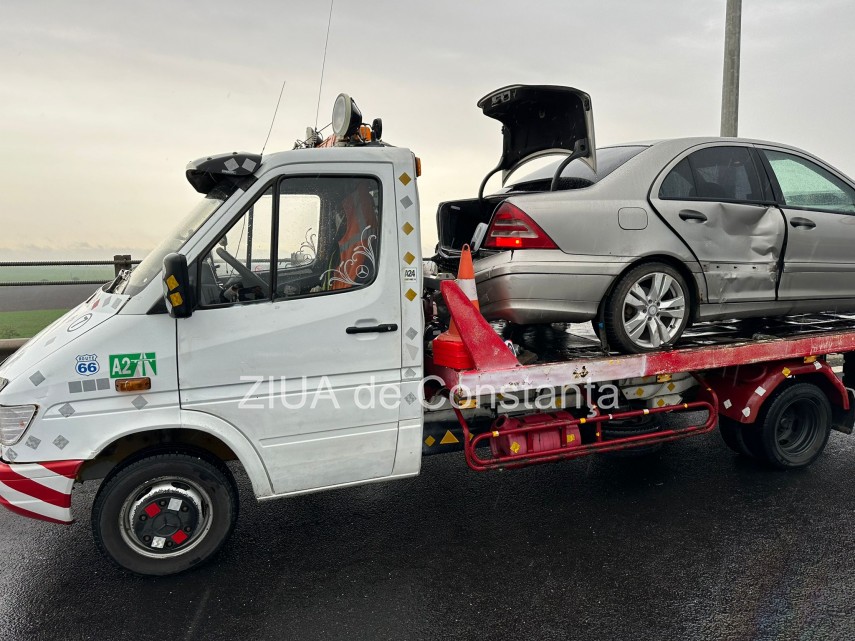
x: 692, y: 543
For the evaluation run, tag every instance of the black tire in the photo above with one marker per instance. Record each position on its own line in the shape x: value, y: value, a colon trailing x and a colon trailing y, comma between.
x: 753, y: 438
x: 739, y: 437
x: 647, y: 424
x: 794, y: 426
x: 186, y: 506
x: 615, y: 313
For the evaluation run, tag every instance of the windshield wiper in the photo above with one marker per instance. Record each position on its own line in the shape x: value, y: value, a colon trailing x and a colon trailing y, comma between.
x: 121, y: 277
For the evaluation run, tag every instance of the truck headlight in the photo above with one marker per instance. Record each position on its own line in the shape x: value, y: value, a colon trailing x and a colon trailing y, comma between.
x: 14, y: 421
x: 3, y: 383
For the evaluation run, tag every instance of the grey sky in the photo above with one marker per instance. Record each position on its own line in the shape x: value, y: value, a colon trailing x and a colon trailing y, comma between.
x: 103, y: 103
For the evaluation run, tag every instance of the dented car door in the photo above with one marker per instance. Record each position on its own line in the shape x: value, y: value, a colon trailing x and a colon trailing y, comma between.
x: 718, y: 200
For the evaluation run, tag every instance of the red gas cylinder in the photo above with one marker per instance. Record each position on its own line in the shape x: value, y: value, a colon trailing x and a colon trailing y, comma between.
x: 556, y: 427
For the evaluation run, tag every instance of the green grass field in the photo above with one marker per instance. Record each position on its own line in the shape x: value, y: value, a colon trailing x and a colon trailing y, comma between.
x: 27, y: 324
x: 103, y: 273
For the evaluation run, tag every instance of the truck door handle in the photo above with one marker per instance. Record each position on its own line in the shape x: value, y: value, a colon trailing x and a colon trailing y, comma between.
x: 373, y: 329
x: 802, y: 223
x: 690, y: 215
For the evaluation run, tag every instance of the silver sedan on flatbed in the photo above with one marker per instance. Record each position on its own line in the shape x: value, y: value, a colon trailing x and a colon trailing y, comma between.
x: 646, y: 238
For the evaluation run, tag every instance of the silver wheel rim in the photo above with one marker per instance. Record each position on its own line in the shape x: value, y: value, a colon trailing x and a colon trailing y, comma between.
x: 653, y: 310
x: 168, y: 487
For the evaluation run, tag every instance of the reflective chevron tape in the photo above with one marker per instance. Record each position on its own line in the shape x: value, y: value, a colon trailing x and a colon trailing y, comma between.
x: 39, y: 490
x: 467, y: 286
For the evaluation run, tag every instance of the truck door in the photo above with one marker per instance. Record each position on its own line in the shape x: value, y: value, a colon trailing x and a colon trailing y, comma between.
x: 820, y: 210
x: 296, y: 338
x: 716, y: 200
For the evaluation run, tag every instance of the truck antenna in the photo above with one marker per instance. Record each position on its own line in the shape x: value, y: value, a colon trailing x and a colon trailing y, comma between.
x: 275, y: 111
x: 324, y: 64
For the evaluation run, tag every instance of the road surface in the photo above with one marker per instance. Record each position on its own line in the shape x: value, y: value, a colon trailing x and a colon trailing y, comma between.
x: 693, y: 543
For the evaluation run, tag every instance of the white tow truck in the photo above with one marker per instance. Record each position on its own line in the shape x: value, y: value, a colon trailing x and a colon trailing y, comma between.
x: 286, y: 325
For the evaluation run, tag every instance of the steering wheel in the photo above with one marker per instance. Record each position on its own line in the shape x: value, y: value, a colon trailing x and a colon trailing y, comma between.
x: 241, y: 269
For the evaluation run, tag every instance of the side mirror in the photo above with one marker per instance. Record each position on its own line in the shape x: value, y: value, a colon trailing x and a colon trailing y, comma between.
x: 177, y: 291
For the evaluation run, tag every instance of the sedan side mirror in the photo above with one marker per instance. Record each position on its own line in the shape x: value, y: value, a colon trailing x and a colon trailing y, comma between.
x: 177, y: 291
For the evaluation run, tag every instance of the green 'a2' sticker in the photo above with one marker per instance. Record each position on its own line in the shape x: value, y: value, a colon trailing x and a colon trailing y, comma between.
x: 130, y: 365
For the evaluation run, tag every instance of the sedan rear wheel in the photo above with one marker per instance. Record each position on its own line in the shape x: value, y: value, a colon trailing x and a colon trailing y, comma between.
x: 648, y: 308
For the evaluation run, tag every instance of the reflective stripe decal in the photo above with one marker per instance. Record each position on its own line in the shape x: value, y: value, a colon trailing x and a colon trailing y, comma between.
x: 33, y: 508
x: 63, y: 470
x: 467, y: 286
x: 40, y: 491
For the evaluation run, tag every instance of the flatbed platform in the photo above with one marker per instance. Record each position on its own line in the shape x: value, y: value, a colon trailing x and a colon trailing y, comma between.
x: 567, y: 358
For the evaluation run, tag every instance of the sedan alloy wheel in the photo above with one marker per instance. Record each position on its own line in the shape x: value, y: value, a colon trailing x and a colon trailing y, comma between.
x: 648, y: 309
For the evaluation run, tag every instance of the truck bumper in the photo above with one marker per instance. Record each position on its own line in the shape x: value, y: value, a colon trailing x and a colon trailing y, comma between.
x: 39, y: 490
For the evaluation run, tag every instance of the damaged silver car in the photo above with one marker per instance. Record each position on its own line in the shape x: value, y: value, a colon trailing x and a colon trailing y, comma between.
x: 646, y: 238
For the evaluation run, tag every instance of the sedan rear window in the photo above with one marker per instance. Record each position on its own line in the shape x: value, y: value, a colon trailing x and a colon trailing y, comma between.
x: 578, y: 174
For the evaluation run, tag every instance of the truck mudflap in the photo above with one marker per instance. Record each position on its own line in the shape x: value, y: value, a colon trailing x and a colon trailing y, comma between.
x: 39, y: 490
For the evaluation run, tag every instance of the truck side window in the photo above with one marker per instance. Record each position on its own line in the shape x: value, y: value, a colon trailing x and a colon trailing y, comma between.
x: 237, y: 269
x: 329, y: 234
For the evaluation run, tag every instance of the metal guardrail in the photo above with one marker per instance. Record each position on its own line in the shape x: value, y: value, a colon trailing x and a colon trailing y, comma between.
x: 119, y: 262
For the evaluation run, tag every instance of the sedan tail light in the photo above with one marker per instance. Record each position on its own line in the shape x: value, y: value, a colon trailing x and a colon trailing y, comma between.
x: 512, y: 228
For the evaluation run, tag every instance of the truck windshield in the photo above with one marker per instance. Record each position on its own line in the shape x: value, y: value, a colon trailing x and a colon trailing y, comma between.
x: 152, y: 264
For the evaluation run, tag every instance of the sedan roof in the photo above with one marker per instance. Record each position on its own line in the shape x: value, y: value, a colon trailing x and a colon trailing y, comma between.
x: 657, y: 154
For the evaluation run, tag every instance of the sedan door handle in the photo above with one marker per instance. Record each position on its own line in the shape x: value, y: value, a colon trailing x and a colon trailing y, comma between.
x: 802, y: 223
x: 373, y: 329
x: 693, y: 216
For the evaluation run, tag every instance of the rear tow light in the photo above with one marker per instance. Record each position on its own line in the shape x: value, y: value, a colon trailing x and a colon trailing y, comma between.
x: 512, y: 228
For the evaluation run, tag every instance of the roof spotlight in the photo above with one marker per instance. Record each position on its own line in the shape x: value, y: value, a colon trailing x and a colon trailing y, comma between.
x: 346, y: 116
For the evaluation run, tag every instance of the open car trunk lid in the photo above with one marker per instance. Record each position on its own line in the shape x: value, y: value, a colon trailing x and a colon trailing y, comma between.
x: 541, y: 119
x: 537, y: 120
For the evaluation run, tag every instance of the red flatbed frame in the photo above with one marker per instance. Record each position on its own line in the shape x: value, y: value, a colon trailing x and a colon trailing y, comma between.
x: 738, y: 395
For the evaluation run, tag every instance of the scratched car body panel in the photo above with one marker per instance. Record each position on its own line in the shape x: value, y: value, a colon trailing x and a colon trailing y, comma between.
x: 752, y: 228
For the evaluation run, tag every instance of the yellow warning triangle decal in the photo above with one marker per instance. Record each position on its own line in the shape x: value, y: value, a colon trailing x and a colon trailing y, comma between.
x: 448, y: 438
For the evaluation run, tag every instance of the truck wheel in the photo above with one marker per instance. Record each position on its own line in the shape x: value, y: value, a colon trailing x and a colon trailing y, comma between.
x: 165, y: 513
x: 732, y: 434
x: 794, y: 426
x: 648, y: 309
x: 743, y: 438
x: 616, y: 429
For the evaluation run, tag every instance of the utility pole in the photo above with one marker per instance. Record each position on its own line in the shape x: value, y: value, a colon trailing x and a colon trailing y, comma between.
x: 730, y: 82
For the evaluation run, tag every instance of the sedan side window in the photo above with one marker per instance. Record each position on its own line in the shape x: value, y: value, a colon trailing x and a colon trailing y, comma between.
x: 806, y: 185
x: 715, y: 173
x: 679, y: 183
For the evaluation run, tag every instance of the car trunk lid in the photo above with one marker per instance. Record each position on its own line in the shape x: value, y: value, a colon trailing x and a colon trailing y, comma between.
x: 538, y: 120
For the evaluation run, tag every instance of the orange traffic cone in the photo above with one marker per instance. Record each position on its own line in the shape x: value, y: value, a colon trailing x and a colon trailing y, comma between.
x: 466, y: 276
x: 448, y: 347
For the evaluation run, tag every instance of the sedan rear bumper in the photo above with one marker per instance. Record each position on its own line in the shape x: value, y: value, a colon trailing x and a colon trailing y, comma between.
x: 534, y: 289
